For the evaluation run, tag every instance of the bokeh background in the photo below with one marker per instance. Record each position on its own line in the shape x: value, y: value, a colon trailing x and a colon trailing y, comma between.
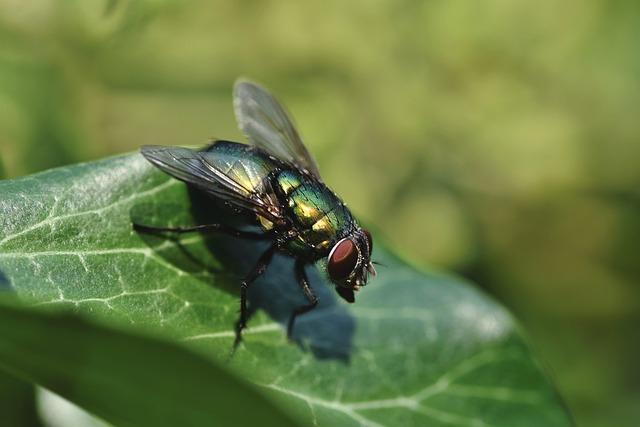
x: 498, y: 139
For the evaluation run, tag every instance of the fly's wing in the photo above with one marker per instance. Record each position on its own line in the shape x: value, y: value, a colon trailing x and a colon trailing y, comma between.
x: 268, y: 126
x: 226, y: 170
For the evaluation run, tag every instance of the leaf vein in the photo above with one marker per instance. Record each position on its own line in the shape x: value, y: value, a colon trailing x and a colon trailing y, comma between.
x: 50, y: 219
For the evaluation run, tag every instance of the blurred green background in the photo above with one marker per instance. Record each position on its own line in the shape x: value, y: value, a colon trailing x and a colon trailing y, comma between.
x: 499, y: 139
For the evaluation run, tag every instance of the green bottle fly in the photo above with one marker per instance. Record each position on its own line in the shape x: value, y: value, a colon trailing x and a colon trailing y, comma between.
x: 276, y: 179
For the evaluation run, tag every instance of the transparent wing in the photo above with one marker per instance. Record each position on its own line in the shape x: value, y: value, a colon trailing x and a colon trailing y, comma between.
x: 268, y: 126
x: 225, y: 170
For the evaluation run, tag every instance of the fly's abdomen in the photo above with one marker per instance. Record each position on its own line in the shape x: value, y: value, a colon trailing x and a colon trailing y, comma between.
x: 241, y: 164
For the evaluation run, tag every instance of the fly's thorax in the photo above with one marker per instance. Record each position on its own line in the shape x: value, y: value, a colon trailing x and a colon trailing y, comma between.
x: 317, y: 214
x: 288, y: 180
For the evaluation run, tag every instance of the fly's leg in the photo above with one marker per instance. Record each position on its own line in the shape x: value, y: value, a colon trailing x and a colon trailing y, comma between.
x: 257, y: 270
x: 219, y: 228
x: 303, y: 281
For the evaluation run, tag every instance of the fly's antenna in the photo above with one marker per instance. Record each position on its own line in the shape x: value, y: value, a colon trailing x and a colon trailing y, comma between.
x: 379, y: 263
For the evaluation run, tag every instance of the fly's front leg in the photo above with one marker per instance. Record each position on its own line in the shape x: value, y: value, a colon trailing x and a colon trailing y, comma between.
x: 257, y: 270
x: 303, y: 281
x: 219, y: 228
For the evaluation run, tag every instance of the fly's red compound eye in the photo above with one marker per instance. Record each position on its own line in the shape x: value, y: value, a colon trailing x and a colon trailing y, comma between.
x: 342, y: 260
x: 369, y: 240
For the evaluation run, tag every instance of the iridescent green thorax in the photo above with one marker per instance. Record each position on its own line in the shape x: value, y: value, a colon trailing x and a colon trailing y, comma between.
x: 318, y: 214
x: 289, y: 180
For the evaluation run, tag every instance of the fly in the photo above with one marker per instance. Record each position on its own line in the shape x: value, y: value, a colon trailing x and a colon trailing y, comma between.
x: 276, y: 180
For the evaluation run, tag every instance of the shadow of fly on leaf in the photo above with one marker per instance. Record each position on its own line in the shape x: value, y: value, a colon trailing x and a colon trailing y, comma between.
x: 275, y: 183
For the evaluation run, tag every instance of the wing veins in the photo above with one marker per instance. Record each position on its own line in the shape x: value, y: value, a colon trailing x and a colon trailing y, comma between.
x: 194, y: 168
x: 268, y: 126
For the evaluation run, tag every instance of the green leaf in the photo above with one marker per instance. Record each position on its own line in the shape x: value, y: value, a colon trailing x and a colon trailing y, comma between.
x: 129, y: 380
x: 415, y: 349
x: 17, y: 402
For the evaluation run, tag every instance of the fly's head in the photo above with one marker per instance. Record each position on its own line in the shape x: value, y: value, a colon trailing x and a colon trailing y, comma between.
x: 349, y: 263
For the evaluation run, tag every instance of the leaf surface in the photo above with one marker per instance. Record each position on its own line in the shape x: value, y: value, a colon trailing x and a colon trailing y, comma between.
x: 415, y: 349
x: 127, y: 379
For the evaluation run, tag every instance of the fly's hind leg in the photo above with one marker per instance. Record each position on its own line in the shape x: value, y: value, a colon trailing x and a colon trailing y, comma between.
x: 257, y: 270
x: 205, y: 228
x: 303, y: 281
